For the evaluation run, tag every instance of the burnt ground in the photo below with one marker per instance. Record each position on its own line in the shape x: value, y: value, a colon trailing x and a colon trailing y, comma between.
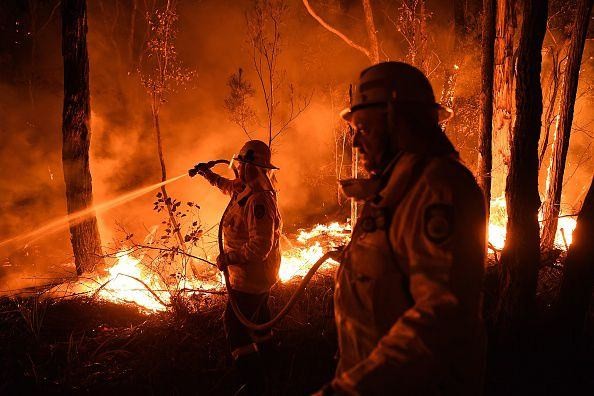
x: 83, y: 346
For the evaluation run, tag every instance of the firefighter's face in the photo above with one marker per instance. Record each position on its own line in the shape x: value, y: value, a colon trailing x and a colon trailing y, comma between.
x: 247, y: 172
x: 371, y: 137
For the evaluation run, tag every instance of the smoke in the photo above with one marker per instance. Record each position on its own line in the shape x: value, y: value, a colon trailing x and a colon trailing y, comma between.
x: 195, y: 126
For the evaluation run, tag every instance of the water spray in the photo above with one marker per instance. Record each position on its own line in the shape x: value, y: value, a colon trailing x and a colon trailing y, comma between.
x: 76, y: 217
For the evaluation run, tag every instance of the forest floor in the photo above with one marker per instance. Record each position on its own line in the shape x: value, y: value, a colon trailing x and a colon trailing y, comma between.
x: 85, y: 346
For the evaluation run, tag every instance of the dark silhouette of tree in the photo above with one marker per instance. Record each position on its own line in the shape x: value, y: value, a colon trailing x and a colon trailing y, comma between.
x: 76, y: 135
x: 521, y: 256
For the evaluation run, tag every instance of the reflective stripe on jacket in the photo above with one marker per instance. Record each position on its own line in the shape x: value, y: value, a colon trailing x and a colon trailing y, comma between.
x: 408, y: 293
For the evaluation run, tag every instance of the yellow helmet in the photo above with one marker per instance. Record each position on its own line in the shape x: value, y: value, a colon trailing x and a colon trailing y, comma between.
x: 257, y: 153
x: 393, y: 83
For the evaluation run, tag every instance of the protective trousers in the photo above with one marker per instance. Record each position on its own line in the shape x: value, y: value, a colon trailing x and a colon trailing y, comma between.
x: 246, y: 346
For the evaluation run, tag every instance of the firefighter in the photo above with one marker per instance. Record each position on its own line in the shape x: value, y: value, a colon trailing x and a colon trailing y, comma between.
x: 408, y: 290
x: 251, y: 231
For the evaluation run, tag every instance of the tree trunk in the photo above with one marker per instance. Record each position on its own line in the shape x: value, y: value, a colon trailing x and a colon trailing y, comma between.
x: 551, y: 208
x: 371, y: 32
x: 486, y: 119
x: 176, y: 228
x: 503, y: 97
x: 578, y: 278
x: 76, y: 135
x: 521, y: 255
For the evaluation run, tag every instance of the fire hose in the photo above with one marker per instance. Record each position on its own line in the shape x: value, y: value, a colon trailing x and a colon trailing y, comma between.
x: 233, y: 302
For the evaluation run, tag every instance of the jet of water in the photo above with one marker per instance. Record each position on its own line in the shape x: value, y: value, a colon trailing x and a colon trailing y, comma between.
x: 76, y: 217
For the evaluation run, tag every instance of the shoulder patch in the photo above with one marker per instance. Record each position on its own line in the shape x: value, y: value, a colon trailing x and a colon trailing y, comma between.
x: 259, y: 211
x: 438, y: 222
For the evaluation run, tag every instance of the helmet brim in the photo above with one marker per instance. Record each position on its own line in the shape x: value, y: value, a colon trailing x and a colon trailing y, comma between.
x: 265, y: 166
x: 444, y: 114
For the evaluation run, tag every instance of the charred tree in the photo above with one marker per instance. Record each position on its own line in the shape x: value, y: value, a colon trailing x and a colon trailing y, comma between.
x: 521, y: 255
x: 503, y: 92
x: 76, y: 135
x: 551, y: 207
x: 578, y: 278
x: 486, y: 120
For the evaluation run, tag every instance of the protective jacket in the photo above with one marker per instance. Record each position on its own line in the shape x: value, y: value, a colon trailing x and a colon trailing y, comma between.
x: 251, y: 231
x: 408, y: 293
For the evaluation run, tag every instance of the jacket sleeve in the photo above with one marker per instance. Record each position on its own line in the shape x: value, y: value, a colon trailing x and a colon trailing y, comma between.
x: 260, y: 219
x: 225, y: 185
x: 410, y: 358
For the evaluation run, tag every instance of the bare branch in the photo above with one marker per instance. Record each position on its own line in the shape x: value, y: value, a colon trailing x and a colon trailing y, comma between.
x: 337, y: 32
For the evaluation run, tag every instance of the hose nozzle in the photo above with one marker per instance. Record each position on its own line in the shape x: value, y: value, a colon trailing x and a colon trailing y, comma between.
x: 202, y: 167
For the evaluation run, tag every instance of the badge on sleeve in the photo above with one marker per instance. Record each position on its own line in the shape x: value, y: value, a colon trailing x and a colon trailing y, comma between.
x: 259, y: 211
x: 438, y: 222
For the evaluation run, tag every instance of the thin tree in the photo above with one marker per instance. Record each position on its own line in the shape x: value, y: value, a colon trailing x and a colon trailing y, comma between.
x: 264, y: 23
x: 551, y: 207
x: 521, y: 254
x: 486, y: 120
x: 237, y: 102
x: 503, y: 92
x: 164, y: 73
x: 412, y: 23
x: 555, y: 48
x: 76, y: 136
x: 456, y: 56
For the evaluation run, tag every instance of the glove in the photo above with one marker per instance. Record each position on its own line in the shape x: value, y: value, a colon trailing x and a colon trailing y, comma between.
x: 199, y: 169
x: 225, y: 259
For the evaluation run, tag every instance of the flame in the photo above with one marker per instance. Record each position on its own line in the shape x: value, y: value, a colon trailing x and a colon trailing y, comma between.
x: 498, y: 223
x: 129, y: 281
x: 310, y: 246
x: 120, y: 285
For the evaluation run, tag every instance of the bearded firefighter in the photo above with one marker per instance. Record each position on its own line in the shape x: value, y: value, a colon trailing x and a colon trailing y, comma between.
x: 408, y: 290
x: 251, y: 232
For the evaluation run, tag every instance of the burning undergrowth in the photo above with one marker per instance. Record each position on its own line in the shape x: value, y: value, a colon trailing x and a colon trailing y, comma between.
x: 175, y: 260
x: 151, y: 319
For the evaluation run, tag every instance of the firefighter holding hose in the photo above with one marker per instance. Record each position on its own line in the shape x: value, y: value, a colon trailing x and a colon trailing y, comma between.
x: 408, y: 291
x: 251, y: 231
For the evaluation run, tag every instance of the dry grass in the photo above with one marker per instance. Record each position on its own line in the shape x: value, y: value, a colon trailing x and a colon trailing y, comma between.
x: 86, y: 345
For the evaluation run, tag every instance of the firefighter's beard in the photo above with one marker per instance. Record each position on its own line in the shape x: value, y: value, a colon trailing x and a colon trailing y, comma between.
x: 375, y: 163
